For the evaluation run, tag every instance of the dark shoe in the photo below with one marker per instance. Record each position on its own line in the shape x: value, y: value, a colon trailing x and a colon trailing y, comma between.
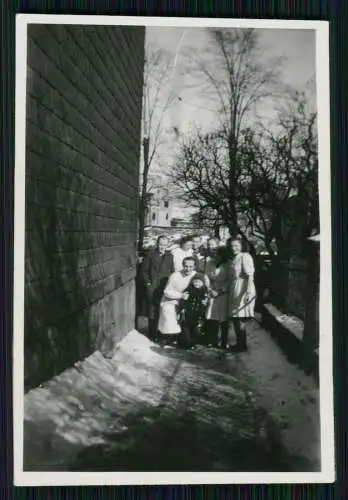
x: 163, y: 342
x: 152, y: 329
x: 224, y: 350
x: 237, y: 348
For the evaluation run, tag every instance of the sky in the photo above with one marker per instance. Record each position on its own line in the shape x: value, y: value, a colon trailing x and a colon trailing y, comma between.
x: 297, y: 47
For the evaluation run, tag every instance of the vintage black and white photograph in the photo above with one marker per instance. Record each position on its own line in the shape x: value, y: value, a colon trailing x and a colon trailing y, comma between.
x: 172, y: 252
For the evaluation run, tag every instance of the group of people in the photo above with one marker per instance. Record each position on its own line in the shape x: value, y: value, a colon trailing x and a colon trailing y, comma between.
x: 193, y: 293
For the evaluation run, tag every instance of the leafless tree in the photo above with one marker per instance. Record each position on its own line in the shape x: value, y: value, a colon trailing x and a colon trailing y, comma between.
x: 279, y: 186
x: 208, y: 219
x: 238, y: 79
x: 276, y: 190
x: 158, y: 97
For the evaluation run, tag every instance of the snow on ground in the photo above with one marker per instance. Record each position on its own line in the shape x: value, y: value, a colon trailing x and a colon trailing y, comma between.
x: 150, y: 409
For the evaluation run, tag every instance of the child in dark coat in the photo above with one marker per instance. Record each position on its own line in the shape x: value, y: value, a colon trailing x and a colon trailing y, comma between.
x: 192, y: 310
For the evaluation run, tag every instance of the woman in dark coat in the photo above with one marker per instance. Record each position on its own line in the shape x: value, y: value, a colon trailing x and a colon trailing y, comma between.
x: 217, y: 311
x: 157, y: 267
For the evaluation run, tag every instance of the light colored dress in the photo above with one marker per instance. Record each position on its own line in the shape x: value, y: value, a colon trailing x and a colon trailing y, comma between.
x: 239, y: 269
x: 219, y: 281
x: 177, y: 284
x: 178, y: 255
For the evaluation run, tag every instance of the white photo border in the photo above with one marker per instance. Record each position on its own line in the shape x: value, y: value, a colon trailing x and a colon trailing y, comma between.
x: 327, y: 474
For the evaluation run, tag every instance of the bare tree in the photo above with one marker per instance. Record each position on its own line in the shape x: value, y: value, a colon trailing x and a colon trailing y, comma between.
x: 208, y: 219
x: 202, y: 175
x: 279, y: 186
x: 238, y: 79
x: 276, y: 191
x: 158, y: 97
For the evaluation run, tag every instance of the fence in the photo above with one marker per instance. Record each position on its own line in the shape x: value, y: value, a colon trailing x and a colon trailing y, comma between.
x: 293, y: 287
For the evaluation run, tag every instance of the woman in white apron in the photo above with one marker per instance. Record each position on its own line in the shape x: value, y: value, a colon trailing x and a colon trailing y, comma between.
x: 168, y: 324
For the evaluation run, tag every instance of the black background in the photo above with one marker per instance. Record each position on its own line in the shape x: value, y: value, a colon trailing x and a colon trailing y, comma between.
x: 336, y: 12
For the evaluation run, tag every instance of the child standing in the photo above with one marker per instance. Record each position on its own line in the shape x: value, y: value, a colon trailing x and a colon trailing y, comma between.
x: 191, y: 310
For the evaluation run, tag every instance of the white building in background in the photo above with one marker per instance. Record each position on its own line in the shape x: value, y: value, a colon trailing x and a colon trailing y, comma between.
x: 159, y: 212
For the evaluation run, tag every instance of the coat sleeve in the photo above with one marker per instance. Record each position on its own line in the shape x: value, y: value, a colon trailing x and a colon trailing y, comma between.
x: 147, y: 269
x: 170, y: 290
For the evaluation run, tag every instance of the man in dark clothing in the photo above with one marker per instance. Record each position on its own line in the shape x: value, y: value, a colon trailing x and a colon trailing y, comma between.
x: 198, y: 252
x: 158, y: 265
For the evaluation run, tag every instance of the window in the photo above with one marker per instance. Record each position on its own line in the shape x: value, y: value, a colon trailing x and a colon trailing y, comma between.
x: 153, y: 216
x: 167, y: 216
x: 166, y: 205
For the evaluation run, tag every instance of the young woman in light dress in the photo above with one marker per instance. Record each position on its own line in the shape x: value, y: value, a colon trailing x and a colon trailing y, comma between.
x: 242, y: 292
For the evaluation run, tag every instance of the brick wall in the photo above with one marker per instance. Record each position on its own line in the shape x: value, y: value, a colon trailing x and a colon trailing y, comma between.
x: 84, y: 95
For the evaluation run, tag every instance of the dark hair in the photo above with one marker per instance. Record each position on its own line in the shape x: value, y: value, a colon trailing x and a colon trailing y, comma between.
x: 236, y: 237
x: 198, y: 276
x: 246, y: 245
x: 187, y: 259
x: 161, y: 237
x: 184, y: 240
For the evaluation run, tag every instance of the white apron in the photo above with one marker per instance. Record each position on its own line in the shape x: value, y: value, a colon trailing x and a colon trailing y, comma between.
x: 240, y: 268
x: 177, y: 284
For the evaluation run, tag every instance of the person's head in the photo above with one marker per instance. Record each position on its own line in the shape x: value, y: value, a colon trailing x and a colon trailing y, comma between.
x: 212, y: 244
x: 186, y: 243
x: 196, y: 242
x: 197, y: 283
x: 235, y: 245
x: 162, y: 244
x: 189, y: 265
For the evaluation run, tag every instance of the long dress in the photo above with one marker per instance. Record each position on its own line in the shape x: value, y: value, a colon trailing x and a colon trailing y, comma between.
x: 240, y: 268
x: 168, y: 322
x: 219, y: 281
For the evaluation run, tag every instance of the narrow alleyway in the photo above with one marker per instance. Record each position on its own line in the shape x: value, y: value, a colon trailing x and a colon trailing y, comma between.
x: 150, y: 409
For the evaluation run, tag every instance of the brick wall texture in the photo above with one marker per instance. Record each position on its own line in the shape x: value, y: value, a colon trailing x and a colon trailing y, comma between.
x: 84, y: 97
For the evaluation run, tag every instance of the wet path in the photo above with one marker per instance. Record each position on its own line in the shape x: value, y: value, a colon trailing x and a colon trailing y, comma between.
x: 150, y: 409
